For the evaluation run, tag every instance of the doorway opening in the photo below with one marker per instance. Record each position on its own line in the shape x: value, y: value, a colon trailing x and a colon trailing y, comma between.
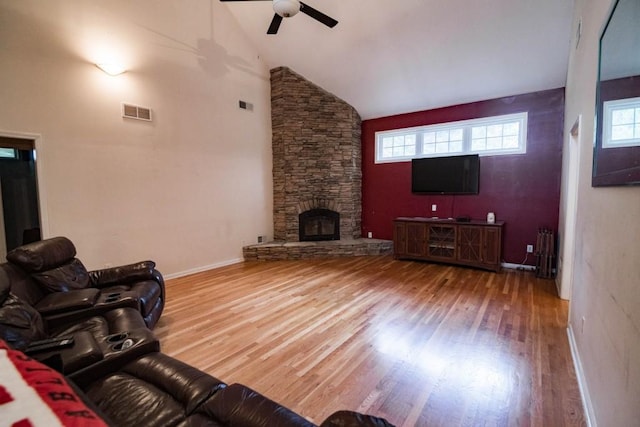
x: 566, y: 260
x: 20, y: 214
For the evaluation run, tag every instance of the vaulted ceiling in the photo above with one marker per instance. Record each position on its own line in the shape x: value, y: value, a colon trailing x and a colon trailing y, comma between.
x: 387, y: 57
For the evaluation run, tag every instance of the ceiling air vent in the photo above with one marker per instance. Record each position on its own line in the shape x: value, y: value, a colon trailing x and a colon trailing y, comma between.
x: 135, y: 112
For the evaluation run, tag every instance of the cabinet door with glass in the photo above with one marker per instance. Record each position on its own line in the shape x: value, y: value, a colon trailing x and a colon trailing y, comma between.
x: 441, y: 242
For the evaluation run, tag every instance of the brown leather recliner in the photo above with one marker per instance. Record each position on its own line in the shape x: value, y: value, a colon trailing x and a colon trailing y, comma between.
x: 47, y: 275
x: 90, y: 344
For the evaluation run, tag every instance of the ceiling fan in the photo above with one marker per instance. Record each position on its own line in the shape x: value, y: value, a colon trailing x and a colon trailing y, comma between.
x: 288, y: 8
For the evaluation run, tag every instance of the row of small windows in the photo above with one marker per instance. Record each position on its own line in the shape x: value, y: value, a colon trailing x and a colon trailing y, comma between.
x: 493, y: 135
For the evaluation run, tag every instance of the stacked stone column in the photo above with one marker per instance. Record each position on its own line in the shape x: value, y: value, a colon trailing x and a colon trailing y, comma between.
x: 316, y: 154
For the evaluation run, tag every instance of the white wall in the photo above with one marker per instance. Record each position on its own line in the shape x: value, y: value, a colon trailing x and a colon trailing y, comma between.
x: 187, y: 190
x: 606, y: 291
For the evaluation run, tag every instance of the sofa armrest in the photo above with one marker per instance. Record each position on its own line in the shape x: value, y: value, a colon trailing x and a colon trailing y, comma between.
x: 139, y: 271
x: 354, y: 419
x: 163, y: 390
x: 60, y: 302
x: 239, y: 405
x: 83, y: 351
x: 116, y: 351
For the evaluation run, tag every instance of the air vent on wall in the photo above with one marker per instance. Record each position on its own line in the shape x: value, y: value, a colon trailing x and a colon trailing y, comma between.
x: 135, y: 112
x: 245, y: 105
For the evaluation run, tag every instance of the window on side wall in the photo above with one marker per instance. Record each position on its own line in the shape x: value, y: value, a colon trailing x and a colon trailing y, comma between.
x: 621, y: 120
x: 8, y: 153
x: 493, y: 136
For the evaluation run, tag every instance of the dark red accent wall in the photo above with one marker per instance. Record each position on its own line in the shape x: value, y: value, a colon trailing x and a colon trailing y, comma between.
x: 523, y: 190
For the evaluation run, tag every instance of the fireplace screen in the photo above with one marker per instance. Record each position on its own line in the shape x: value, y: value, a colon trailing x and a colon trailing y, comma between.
x: 319, y: 224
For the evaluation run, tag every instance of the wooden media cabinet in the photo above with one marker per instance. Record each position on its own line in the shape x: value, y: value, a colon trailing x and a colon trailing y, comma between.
x: 474, y: 243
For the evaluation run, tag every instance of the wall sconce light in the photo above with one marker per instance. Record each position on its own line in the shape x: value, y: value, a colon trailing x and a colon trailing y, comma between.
x: 111, y: 69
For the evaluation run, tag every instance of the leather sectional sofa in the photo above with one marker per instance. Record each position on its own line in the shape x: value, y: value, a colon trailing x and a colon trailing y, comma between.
x: 107, y: 353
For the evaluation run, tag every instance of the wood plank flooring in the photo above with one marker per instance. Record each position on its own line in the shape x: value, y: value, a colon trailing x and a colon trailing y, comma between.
x: 419, y: 344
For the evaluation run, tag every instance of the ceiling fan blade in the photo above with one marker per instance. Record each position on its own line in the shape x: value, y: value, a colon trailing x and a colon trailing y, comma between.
x: 317, y: 15
x: 275, y: 24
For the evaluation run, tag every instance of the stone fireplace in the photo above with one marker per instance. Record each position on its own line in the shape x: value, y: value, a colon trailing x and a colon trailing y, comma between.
x: 316, y: 155
x: 316, y: 139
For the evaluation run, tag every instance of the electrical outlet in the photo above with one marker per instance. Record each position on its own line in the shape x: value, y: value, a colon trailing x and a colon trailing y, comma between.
x: 582, y: 326
x: 370, y: 235
x: 434, y: 208
x: 529, y: 249
x: 260, y: 239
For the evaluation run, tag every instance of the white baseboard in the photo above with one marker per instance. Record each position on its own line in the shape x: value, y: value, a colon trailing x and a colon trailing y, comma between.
x: 518, y: 266
x: 203, y: 268
x: 582, y: 381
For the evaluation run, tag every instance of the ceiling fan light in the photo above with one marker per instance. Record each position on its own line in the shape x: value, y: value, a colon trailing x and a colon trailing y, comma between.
x: 286, y: 8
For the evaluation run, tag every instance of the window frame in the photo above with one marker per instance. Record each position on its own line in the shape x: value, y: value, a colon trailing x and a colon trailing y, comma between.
x: 466, y: 126
x: 608, y: 107
x: 12, y: 156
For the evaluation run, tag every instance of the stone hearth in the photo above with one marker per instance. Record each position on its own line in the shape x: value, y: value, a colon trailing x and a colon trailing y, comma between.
x: 317, y: 159
x: 328, y: 249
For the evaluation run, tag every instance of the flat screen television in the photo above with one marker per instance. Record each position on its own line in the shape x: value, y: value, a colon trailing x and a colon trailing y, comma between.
x: 446, y: 175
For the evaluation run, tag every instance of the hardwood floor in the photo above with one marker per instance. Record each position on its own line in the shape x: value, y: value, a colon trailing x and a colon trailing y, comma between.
x: 419, y: 344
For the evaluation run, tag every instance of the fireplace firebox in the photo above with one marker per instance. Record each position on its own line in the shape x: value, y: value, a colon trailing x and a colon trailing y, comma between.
x: 319, y: 224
